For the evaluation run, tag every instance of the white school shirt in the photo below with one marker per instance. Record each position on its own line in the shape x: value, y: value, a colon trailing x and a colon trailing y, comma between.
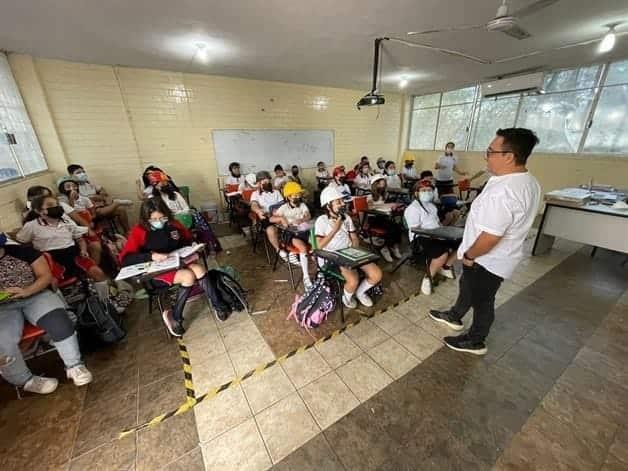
x: 446, y: 170
x: 296, y: 215
x: 393, y: 181
x: 323, y: 174
x: 231, y: 180
x: 362, y: 181
x: 82, y: 202
x: 416, y: 217
x: 342, y: 238
x: 88, y: 189
x: 177, y: 205
x: 279, y: 182
x: 45, y: 237
x: 409, y: 172
x: 266, y: 199
x: 506, y: 207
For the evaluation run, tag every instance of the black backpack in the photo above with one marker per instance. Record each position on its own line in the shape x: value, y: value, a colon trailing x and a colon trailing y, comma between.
x: 98, y: 323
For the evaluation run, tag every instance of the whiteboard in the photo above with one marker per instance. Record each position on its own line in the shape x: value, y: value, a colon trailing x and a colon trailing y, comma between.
x: 263, y: 149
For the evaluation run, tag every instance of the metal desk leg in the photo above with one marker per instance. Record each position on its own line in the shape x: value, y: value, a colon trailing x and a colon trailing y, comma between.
x: 543, y: 242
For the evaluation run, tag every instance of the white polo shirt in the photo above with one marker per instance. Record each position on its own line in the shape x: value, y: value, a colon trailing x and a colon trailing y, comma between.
x: 418, y: 217
x: 294, y: 216
x: 342, y: 238
x: 446, y: 170
x: 506, y: 207
x: 231, y: 180
x: 46, y: 236
x: 266, y: 199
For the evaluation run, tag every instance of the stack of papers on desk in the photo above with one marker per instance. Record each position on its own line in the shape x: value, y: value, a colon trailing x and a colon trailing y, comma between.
x: 575, y: 196
x: 171, y: 263
x: 354, y: 254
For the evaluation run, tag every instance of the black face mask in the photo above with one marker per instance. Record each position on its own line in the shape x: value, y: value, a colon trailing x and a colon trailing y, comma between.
x: 296, y: 202
x: 342, y: 179
x: 267, y: 187
x: 55, y: 212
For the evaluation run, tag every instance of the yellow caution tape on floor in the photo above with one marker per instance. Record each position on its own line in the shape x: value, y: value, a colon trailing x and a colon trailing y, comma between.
x: 187, y: 370
x: 193, y: 401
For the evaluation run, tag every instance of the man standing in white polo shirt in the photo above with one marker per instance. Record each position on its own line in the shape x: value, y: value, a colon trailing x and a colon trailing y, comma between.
x: 492, y: 245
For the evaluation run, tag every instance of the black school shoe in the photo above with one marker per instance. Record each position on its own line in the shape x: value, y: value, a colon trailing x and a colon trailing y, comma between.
x: 463, y: 343
x: 444, y: 318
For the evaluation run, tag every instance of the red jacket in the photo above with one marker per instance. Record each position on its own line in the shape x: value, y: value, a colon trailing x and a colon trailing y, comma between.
x: 136, y: 250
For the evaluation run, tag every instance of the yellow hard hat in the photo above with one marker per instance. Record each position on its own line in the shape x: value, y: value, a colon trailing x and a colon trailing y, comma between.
x: 408, y: 157
x: 291, y: 188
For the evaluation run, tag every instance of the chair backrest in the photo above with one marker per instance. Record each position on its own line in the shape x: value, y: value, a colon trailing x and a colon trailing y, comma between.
x: 360, y: 204
x: 247, y: 193
x: 230, y: 188
x: 185, y: 192
x: 464, y: 185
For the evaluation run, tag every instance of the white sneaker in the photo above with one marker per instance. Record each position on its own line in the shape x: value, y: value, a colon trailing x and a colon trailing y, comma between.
x: 396, y: 252
x: 447, y: 273
x: 386, y: 254
x: 41, y: 385
x: 364, y: 299
x: 123, y: 202
x: 294, y: 259
x: 307, y: 284
x: 80, y: 375
x: 426, y: 286
x: 350, y: 303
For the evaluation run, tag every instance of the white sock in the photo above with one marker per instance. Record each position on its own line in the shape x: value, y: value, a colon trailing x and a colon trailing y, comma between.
x: 304, y: 266
x: 283, y: 253
x: 102, y: 288
x: 364, y: 287
x: 348, y: 296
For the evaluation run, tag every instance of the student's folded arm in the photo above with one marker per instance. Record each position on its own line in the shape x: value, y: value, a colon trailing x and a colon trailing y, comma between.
x: 43, y: 276
x: 25, y: 234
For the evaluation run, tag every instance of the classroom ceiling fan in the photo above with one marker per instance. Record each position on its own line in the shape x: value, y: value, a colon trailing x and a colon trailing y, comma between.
x: 503, y: 22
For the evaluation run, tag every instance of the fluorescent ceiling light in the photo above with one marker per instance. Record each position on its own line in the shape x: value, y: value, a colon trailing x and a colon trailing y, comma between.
x: 608, y: 42
x: 403, y: 83
x: 201, y: 52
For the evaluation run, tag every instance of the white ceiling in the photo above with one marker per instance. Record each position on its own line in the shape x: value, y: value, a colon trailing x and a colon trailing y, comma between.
x: 322, y: 42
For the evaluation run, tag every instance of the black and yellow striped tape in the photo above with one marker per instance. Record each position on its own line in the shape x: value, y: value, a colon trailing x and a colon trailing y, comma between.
x: 187, y: 370
x: 193, y: 401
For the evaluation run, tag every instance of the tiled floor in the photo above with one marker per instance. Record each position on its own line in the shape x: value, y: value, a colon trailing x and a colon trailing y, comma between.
x: 384, y: 395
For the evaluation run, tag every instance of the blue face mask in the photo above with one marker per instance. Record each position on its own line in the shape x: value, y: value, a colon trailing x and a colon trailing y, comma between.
x: 157, y: 225
x: 426, y: 196
x: 3, y: 239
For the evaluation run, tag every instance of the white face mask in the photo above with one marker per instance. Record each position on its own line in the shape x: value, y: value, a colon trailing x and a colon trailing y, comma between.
x: 82, y: 177
x: 391, y: 172
x: 426, y: 196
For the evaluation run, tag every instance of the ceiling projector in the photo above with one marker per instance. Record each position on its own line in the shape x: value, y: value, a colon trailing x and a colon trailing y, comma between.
x: 371, y: 99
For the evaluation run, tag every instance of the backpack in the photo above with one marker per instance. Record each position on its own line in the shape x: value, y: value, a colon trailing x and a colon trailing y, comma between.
x: 228, y: 294
x: 98, y: 323
x: 312, y: 308
x: 205, y: 234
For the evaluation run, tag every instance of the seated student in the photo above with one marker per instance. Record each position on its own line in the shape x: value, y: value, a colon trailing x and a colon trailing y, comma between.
x: 294, y: 176
x: 448, y: 205
x: 322, y: 175
x: 428, y: 175
x: 408, y: 170
x: 381, y: 166
x: 25, y: 276
x: 363, y: 179
x: 392, y: 239
x: 32, y: 193
x: 392, y: 179
x: 152, y: 239
x: 280, y: 178
x: 339, y: 182
x: 81, y: 210
x: 105, y: 206
x: 335, y: 231
x: 236, y: 178
x: 262, y: 200
x: 294, y: 213
x: 165, y: 190
x: 144, y: 188
x: 57, y: 234
x: 422, y: 213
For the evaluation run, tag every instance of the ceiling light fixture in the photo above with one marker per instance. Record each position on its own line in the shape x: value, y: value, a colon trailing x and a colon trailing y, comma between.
x: 403, y: 83
x: 201, y: 52
x: 608, y: 42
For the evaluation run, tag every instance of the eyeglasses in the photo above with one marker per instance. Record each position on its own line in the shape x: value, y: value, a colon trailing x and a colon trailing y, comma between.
x: 490, y: 151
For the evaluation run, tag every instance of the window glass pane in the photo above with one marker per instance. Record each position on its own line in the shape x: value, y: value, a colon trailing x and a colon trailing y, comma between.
x: 463, y: 95
x: 426, y: 101
x: 609, y: 132
x: 453, y: 125
x: 423, y: 128
x: 27, y: 149
x: 617, y: 73
x: 492, y: 115
x: 8, y: 167
x: 572, y: 79
x: 558, y: 119
x: 9, y: 94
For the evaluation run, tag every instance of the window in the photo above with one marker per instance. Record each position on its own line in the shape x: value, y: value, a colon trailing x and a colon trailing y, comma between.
x: 20, y: 153
x: 579, y: 112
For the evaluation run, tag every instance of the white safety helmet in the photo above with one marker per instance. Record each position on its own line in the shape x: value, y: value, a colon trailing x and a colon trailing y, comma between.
x: 329, y: 194
x: 377, y: 177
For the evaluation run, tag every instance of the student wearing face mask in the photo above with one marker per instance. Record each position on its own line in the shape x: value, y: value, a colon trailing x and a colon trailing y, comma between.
x: 392, y: 178
x: 422, y: 213
x: 53, y: 232
x: 32, y: 193
x: 322, y: 175
x: 165, y: 190
x: 339, y: 183
x: 294, y: 175
x: 235, y: 177
x: 392, y: 231
x: 152, y: 239
x: 408, y: 170
x: 381, y: 166
x: 334, y: 231
x: 445, y: 167
x: 280, y: 178
x: 295, y: 213
x: 262, y: 200
x: 363, y: 179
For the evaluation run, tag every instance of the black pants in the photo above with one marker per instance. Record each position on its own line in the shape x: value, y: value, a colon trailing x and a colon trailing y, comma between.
x: 478, y: 287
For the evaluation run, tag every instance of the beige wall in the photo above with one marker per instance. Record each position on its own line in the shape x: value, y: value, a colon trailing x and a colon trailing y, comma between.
x: 553, y: 171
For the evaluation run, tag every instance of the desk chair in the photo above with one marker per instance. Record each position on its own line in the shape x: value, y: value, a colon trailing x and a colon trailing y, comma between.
x: 258, y: 233
x: 291, y: 250
x: 360, y: 206
x: 185, y: 192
